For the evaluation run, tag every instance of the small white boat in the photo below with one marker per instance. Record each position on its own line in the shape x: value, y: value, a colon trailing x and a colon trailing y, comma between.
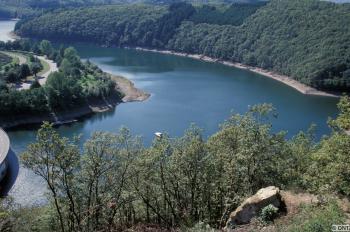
x: 159, y: 134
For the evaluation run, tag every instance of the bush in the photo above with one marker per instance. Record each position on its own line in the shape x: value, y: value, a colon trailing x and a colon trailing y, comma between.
x: 316, y: 218
x: 268, y: 214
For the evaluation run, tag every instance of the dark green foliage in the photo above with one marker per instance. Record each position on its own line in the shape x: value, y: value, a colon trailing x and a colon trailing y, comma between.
x: 24, y: 71
x: 14, y: 73
x: 36, y: 68
x: 185, y: 181
x: 343, y: 121
x: 167, y: 24
x: 111, y: 25
x: 73, y: 86
x: 35, y: 85
x: 268, y: 214
x: 62, y: 92
x: 25, y: 102
x: 234, y: 14
x: 123, y: 25
x: 304, y: 39
x: 4, y: 59
x: 46, y: 47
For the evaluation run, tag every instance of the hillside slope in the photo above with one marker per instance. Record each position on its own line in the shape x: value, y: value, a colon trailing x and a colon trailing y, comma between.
x: 308, y: 40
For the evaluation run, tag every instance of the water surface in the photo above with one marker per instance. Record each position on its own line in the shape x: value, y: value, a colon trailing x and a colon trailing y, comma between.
x: 183, y: 91
x: 5, y: 28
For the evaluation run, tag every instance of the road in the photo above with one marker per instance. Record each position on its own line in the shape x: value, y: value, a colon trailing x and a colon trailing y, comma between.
x: 52, y: 68
x: 42, y: 76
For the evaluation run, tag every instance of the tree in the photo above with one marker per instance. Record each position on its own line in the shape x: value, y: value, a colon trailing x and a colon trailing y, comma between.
x: 35, y: 85
x: 86, y: 193
x: 12, y: 77
x: 24, y: 71
x: 53, y: 158
x: 328, y: 170
x: 343, y: 120
x: 62, y: 92
x: 35, y: 69
x: 46, y: 47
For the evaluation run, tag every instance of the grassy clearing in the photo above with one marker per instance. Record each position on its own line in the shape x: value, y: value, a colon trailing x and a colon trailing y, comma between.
x: 46, y: 67
x: 19, y: 58
x: 5, y: 59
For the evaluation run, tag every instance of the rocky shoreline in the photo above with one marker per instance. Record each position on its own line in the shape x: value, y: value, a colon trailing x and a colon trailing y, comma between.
x: 125, y: 86
x: 302, y: 88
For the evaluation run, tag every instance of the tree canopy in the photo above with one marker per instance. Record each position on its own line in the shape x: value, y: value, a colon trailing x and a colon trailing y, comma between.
x: 72, y: 86
x: 114, y: 182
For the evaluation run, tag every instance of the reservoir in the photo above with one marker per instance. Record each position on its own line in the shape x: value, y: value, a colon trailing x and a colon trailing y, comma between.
x: 183, y: 91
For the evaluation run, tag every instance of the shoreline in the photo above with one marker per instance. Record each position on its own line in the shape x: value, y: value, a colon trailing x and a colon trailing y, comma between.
x: 300, y: 87
x: 125, y: 86
x: 13, y: 36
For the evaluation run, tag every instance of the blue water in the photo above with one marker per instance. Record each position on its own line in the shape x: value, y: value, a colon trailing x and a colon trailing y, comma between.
x: 183, y: 91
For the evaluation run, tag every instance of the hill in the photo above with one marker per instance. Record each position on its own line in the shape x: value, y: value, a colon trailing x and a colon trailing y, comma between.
x: 32, y: 8
x: 304, y: 39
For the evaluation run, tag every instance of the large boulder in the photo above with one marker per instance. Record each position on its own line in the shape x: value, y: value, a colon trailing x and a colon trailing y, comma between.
x: 253, y: 205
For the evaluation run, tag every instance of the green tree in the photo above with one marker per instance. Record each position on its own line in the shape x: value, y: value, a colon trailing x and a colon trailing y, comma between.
x: 54, y: 159
x: 46, y: 47
x: 62, y: 92
x: 24, y: 71
x: 35, y: 69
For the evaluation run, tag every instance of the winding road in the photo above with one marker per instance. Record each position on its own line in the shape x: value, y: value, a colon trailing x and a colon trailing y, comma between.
x: 52, y: 68
x: 42, y: 76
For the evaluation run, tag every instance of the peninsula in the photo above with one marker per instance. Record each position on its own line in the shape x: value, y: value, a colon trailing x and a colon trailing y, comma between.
x: 40, y: 83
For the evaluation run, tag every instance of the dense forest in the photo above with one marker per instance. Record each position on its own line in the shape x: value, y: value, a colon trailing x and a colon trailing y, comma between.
x: 32, y: 8
x: 304, y: 39
x: 115, y: 183
x: 74, y: 85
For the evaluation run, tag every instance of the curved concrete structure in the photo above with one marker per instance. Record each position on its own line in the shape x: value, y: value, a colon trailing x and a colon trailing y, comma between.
x: 4, y: 151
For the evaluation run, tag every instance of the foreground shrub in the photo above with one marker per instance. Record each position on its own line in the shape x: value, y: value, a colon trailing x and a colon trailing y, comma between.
x: 316, y: 218
x: 268, y: 214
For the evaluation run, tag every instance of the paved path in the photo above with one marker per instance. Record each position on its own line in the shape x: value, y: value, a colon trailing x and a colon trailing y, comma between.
x: 42, y: 76
x: 52, y: 68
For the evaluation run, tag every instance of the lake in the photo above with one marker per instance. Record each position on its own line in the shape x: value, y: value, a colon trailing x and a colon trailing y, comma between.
x: 5, y: 28
x: 183, y: 91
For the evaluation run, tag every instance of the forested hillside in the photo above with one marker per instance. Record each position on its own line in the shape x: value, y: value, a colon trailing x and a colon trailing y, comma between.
x: 304, y: 39
x: 124, y: 25
x: 234, y: 14
x: 307, y: 40
x: 31, y: 8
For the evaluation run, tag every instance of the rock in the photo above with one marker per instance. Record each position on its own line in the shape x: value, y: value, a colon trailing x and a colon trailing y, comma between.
x: 253, y: 205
